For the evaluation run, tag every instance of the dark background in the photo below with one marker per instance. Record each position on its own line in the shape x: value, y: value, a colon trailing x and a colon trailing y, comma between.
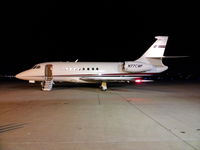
x: 34, y: 32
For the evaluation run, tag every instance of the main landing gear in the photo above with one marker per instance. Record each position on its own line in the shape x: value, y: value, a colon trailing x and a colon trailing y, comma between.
x: 103, y: 86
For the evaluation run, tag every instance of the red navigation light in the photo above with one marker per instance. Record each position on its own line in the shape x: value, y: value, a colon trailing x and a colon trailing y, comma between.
x: 138, y: 81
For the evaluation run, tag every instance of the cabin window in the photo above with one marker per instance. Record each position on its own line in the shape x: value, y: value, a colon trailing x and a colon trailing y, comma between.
x: 97, y: 68
x: 92, y: 68
x: 88, y: 68
x: 83, y: 68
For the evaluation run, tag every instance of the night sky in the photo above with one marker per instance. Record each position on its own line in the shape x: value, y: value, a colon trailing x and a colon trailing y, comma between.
x: 34, y: 32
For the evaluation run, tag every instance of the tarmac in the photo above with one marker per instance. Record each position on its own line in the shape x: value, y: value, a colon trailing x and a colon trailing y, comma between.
x: 150, y: 116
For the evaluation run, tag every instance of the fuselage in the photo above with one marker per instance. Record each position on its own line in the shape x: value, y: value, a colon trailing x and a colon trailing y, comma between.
x: 83, y: 72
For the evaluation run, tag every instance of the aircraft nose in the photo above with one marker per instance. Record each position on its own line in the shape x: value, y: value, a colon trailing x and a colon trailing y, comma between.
x: 20, y: 75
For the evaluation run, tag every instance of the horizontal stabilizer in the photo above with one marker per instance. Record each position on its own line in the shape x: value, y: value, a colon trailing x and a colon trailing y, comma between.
x: 175, y: 56
x: 168, y: 57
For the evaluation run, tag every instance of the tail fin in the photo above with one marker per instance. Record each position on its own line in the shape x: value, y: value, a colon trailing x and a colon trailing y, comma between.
x: 158, y: 47
x: 153, y: 56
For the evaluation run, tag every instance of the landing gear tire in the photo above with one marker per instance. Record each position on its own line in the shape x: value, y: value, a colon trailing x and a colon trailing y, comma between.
x: 42, y: 84
x: 103, y: 89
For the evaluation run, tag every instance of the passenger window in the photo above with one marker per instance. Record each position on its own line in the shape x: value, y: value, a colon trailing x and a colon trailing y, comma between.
x: 83, y: 68
x: 97, y: 68
x: 88, y: 68
x: 92, y: 68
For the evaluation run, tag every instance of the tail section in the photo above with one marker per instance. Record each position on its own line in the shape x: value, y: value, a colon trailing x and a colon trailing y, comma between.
x: 153, y: 56
x: 151, y: 60
x: 157, y: 49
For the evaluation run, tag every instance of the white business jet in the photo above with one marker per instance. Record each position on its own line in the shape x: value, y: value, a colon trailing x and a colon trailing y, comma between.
x: 99, y: 72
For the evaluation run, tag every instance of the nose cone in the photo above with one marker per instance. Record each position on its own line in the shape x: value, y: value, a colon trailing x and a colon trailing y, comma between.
x: 23, y: 75
x: 19, y: 76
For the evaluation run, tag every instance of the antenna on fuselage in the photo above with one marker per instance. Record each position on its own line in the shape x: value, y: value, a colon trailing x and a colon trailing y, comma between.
x: 76, y: 60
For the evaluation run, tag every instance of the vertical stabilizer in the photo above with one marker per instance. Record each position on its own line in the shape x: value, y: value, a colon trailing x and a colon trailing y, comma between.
x: 158, y: 47
x: 153, y: 56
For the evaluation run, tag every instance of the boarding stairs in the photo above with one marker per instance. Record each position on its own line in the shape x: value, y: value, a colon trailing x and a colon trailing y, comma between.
x: 47, y: 85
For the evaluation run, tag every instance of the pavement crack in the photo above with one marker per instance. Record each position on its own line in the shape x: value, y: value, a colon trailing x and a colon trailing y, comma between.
x: 98, y: 97
x: 169, y: 130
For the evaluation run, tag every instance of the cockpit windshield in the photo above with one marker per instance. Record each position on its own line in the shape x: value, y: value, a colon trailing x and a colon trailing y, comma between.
x: 36, y: 67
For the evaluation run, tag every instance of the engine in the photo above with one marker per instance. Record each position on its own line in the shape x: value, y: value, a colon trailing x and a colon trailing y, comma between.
x: 133, y: 66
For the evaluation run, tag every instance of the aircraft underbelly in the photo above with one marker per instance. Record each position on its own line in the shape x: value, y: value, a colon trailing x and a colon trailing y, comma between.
x: 69, y: 79
x: 92, y: 79
x: 111, y: 79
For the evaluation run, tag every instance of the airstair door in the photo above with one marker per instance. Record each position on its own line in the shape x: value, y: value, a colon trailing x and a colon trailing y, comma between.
x: 48, y: 72
x: 47, y: 84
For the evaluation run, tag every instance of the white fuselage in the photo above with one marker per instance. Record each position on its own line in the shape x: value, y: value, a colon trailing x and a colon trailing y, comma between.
x: 82, y: 72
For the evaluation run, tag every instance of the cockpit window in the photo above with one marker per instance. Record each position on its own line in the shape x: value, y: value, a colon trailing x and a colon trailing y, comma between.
x: 36, y: 67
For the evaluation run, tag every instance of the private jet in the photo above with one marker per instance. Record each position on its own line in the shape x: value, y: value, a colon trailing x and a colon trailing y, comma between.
x: 148, y: 64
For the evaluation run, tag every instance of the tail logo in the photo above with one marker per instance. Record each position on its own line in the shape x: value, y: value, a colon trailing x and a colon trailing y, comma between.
x: 159, y: 46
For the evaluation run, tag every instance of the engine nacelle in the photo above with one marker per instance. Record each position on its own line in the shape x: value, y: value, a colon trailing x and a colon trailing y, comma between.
x: 132, y: 66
